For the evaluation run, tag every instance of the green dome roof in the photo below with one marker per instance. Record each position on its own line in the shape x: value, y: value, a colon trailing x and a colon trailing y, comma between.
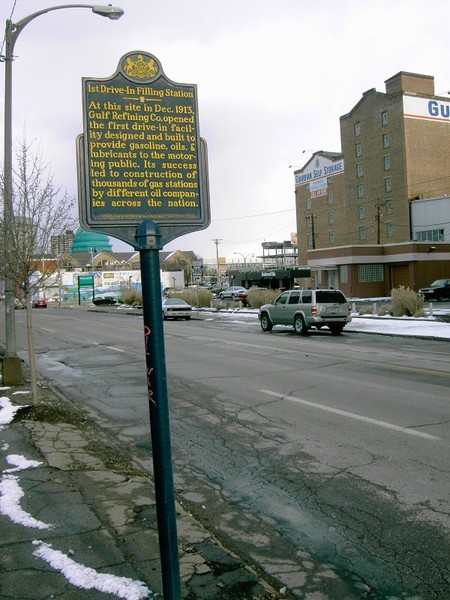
x: 85, y: 241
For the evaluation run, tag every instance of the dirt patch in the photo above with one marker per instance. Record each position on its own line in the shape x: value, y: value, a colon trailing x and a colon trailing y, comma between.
x: 53, y: 412
x: 100, y: 446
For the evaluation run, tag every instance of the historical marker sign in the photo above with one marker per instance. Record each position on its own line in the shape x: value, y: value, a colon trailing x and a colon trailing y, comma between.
x: 141, y: 155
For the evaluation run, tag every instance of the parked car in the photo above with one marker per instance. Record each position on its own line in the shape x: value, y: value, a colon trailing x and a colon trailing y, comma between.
x: 438, y: 290
x: 39, y: 303
x: 235, y: 292
x: 304, y: 309
x: 104, y: 299
x: 215, y: 291
x: 19, y: 303
x: 176, y: 308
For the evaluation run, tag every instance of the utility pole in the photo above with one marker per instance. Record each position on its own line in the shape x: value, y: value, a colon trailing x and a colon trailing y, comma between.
x: 378, y: 217
x: 217, y: 241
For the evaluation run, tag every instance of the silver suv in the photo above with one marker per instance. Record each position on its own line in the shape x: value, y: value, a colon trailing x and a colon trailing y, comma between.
x: 304, y: 309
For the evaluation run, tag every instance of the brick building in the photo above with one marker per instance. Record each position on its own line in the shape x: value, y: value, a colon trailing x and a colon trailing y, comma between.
x: 354, y: 217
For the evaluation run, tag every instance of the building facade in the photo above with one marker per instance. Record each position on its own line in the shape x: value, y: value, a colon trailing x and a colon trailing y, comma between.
x: 354, y: 207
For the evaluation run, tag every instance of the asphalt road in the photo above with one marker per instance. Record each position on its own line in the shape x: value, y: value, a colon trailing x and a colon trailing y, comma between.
x: 322, y: 461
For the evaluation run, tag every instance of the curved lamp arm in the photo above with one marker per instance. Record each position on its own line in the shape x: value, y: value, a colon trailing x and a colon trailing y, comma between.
x: 13, y: 29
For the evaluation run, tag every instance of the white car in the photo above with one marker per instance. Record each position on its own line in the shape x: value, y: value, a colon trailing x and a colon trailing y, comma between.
x: 176, y: 308
x: 235, y: 292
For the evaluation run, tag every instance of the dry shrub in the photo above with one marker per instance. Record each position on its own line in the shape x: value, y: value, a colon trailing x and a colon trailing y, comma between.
x: 131, y: 297
x: 201, y: 299
x: 406, y: 302
x: 258, y: 296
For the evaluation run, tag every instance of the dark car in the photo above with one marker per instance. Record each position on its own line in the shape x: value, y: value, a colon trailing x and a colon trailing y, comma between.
x: 438, y: 290
x: 104, y: 300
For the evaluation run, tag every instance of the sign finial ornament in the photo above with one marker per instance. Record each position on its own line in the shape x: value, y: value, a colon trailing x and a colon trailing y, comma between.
x: 139, y: 66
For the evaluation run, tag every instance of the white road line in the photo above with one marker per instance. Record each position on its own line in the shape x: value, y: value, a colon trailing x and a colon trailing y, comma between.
x: 51, y: 330
x: 109, y: 347
x: 344, y: 413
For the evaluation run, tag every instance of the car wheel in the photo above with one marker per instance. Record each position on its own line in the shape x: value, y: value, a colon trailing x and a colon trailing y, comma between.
x: 336, y: 329
x: 299, y: 326
x: 266, y: 325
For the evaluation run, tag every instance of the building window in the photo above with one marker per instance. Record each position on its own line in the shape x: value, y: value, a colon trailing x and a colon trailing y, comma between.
x: 308, y: 203
x: 386, y: 140
x: 359, y: 170
x: 431, y: 235
x: 330, y: 198
x: 361, y: 212
x: 362, y: 233
x: 343, y: 273
x: 309, y: 240
x: 387, y: 162
x: 358, y: 128
x: 388, y: 184
x: 360, y: 191
x: 309, y: 221
x: 384, y: 117
x: 368, y: 273
x: 331, y: 237
x: 389, y: 207
x: 358, y: 149
x: 389, y: 229
x: 331, y: 217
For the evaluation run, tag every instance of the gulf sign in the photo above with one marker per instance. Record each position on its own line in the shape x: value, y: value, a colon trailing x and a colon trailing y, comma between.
x: 426, y: 108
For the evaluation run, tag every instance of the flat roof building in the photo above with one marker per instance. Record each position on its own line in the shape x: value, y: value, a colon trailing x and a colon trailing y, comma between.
x: 395, y: 149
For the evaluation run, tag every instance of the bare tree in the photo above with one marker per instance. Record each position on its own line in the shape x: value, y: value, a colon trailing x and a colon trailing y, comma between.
x: 180, y: 263
x: 40, y: 211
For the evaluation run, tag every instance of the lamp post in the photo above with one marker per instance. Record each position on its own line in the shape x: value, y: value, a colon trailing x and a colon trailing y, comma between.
x: 217, y: 241
x: 11, y: 365
x: 245, y: 256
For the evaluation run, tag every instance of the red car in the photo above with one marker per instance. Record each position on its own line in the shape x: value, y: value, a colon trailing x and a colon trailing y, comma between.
x: 40, y: 304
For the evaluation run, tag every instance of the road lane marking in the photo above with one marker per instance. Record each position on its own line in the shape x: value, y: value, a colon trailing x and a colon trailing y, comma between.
x: 109, y: 347
x: 355, y: 416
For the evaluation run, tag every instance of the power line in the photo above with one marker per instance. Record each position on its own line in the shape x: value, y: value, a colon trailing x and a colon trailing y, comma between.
x: 253, y: 216
x: 10, y: 18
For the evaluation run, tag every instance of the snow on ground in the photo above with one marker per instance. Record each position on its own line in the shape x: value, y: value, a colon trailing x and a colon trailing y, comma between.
x: 404, y: 326
x: 11, y: 493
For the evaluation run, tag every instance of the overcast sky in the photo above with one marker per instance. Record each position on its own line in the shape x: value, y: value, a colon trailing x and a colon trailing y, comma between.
x: 273, y: 79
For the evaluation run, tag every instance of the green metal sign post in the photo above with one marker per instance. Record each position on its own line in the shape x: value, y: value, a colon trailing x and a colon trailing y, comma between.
x: 85, y: 281
x: 143, y: 178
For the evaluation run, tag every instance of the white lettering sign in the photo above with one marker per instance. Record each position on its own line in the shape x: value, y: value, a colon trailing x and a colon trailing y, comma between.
x: 426, y: 108
x: 320, y: 167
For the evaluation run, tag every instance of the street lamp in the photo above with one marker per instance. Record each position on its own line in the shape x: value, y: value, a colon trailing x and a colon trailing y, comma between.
x: 217, y: 241
x: 245, y: 256
x: 11, y: 365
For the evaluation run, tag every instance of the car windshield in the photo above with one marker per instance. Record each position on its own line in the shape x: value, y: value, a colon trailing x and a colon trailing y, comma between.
x: 439, y: 283
x: 175, y: 301
x: 330, y: 297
